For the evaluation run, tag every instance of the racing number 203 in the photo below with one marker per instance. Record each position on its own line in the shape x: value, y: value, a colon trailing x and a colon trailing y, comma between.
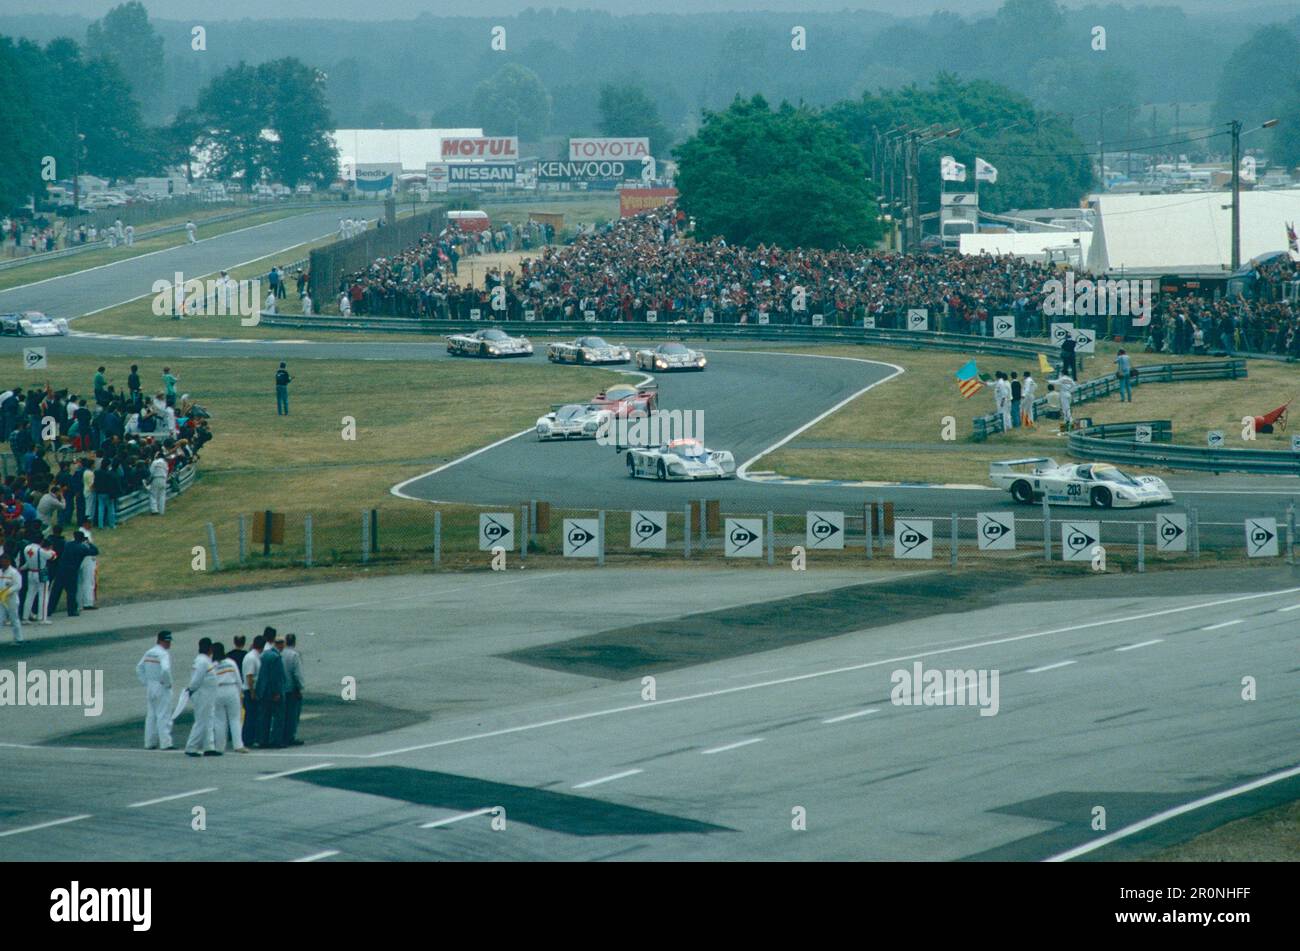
x: 1074, y: 488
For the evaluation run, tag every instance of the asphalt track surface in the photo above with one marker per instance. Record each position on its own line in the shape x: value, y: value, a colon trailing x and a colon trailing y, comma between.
x: 772, y: 695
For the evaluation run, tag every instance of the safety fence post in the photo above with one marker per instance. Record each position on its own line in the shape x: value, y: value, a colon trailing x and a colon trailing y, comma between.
x: 600, y: 530
x: 523, y: 534
x: 243, y: 538
x: 212, y: 547
x: 868, y: 530
x: 686, y: 531
x: 1142, y: 548
x: 374, y: 530
x: 1290, y: 533
x: 771, y: 539
x: 952, y: 557
x: 704, y: 523
x: 437, y: 539
x: 306, y: 540
x: 1047, y: 531
x: 365, y: 537
x: 1196, y: 533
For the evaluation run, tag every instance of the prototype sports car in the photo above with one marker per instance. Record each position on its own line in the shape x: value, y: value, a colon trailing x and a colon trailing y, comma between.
x: 680, y: 460
x: 1098, y: 484
x: 33, y: 323
x: 572, y: 421
x: 488, y: 343
x: 625, y: 399
x: 587, y: 350
x: 670, y: 356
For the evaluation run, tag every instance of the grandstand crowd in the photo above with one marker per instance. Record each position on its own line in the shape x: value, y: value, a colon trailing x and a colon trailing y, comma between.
x: 631, y: 266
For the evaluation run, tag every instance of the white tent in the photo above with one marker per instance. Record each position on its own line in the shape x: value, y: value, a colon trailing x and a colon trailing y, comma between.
x: 1191, y: 231
x: 1031, y: 245
x: 413, y: 149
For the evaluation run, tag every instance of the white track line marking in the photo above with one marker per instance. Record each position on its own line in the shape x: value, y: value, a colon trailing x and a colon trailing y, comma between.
x: 183, y: 795
x: 317, y: 857
x: 1133, y: 647
x: 44, y: 825
x: 817, y: 674
x: 850, y: 716
x: 608, y: 779
x: 1039, y: 670
x: 292, y: 772
x: 1172, y: 814
x: 1293, y: 607
x: 1215, y: 627
x: 463, y: 815
x: 731, y: 746
x: 743, y: 471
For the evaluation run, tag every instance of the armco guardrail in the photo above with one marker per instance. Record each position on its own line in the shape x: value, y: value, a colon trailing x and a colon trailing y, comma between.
x: 1095, y: 389
x: 1115, y: 443
x: 802, y: 333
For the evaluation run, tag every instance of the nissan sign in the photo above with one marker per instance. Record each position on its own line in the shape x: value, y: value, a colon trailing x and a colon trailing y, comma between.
x: 481, y: 173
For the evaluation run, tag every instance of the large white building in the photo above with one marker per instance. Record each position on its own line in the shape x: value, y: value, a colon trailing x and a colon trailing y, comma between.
x: 1188, y: 231
x: 412, y: 149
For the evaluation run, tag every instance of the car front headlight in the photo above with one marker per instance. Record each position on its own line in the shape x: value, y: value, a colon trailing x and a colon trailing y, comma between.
x: 492, y: 349
x: 661, y: 364
x: 703, y: 361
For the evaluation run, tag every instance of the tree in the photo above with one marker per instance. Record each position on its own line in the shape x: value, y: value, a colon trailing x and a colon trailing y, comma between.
x: 25, y: 136
x: 626, y: 110
x: 126, y: 37
x: 787, y: 176
x: 386, y: 114
x: 513, y: 102
x: 230, y: 110
x: 1257, y: 76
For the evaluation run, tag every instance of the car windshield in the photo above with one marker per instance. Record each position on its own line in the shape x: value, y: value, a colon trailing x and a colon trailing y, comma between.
x: 592, y: 342
x: 673, y: 349
x: 570, y: 412
x: 691, y: 449
x: 493, y: 335
x: 35, y: 317
x: 1107, y: 474
x: 620, y: 392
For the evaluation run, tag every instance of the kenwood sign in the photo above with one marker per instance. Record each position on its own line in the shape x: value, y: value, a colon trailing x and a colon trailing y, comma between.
x: 481, y: 147
x: 581, y: 150
x: 581, y: 171
x: 481, y: 173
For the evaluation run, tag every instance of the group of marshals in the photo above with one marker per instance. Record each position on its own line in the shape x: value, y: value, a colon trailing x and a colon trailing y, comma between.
x: 269, y: 682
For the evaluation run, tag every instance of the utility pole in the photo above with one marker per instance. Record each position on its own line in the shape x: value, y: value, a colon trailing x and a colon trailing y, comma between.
x: 1101, y: 146
x: 1235, y: 126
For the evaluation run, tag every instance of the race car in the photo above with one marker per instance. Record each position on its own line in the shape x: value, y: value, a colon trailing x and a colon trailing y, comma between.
x: 33, y: 323
x: 587, y: 350
x: 680, y: 460
x: 670, y: 356
x: 572, y: 421
x: 1098, y: 484
x: 625, y: 399
x: 488, y: 343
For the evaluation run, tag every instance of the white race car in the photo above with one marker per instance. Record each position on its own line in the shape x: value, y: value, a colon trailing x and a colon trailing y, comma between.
x: 1098, y: 484
x: 572, y: 421
x: 680, y: 460
x: 32, y: 323
x: 670, y: 356
x: 587, y: 350
x: 488, y: 343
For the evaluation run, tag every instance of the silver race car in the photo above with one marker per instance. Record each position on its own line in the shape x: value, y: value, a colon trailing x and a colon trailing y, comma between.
x: 33, y: 323
x: 1098, y: 484
x: 670, y: 356
x: 488, y: 343
x: 572, y: 421
x: 587, y: 350
x: 680, y: 460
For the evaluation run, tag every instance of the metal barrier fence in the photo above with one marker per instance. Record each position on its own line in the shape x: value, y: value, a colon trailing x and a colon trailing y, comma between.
x: 1100, y: 387
x: 1117, y: 443
x: 429, y: 536
x: 332, y: 262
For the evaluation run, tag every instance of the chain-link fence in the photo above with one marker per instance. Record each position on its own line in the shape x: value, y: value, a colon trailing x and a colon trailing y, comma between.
x: 875, y: 532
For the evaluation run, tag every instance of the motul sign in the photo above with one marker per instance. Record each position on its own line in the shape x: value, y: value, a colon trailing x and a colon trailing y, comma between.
x: 581, y: 150
x: 481, y: 147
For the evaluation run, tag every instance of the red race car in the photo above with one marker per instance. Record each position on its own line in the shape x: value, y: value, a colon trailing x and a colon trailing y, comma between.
x: 626, y: 399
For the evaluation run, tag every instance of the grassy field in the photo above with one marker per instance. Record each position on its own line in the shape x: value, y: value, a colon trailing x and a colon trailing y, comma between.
x: 894, y: 432
x: 43, y: 270
x: 409, y: 417
x: 1270, y: 836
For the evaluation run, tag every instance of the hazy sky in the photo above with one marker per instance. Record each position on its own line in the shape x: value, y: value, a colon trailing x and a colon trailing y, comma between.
x: 200, y: 10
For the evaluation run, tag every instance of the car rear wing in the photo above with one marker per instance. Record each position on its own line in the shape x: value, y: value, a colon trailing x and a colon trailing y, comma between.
x: 1008, y: 465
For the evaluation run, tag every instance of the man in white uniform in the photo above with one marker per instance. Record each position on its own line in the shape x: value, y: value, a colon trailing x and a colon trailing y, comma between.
x: 190, y: 229
x: 1065, y: 386
x: 35, y: 562
x: 1002, y: 399
x: 11, y: 583
x: 158, y: 485
x: 306, y: 305
x: 203, y: 691
x: 130, y: 235
x: 87, y: 581
x: 1028, y: 392
x: 155, y: 673
x: 226, y: 715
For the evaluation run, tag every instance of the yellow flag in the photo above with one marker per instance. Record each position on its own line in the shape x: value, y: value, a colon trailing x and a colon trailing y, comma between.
x: 1043, y: 365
